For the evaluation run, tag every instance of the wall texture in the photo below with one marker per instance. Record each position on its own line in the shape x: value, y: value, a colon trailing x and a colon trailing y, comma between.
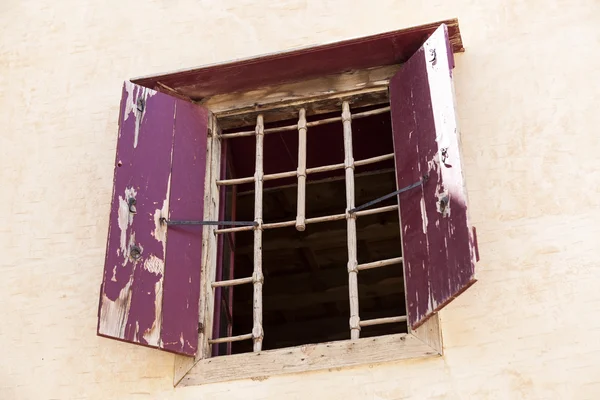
x: 527, y: 91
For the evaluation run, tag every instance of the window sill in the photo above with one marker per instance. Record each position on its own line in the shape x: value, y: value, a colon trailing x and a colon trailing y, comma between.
x: 422, y: 342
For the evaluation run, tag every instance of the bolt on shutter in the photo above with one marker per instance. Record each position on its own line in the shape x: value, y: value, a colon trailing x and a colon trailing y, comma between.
x: 151, y: 282
x: 437, y: 242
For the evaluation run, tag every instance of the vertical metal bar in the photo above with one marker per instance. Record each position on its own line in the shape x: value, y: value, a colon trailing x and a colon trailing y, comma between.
x: 218, y: 292
x: 301, y: 173
x: 257, y: 330
x: 351, y: 223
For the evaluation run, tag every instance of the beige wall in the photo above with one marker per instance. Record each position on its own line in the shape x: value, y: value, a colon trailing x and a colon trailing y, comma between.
x: 527, y: 87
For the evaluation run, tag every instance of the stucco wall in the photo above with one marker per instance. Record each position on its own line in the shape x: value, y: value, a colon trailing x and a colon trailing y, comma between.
x: 527, y: 89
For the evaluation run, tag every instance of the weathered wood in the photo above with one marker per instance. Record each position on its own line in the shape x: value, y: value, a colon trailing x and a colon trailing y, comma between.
x: 230, y: 339
x: 363, y: 114
x: 324, y: 180
x: 308, y: 358
x: 301, y: 202
x: 377, y: 210
x: 381, y: 321
x: 257, y: 330
x: 351, y: 222
x: 438, y: 258
x: 315, y: 239
x: 308, y: 171
x: 181, y: 291
x: 235, y: 229
x: 430, y: 333
x: 387, y: 48
x: 138, y: 301
x: 328, y: 218
x: 271, y: 98
x: 212, y: 246
x: 232, y: 282
x: 380, y: 263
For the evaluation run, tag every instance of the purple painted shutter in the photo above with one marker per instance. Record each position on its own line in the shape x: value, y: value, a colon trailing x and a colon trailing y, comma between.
x: 437, y: 244
x: 151, y: 282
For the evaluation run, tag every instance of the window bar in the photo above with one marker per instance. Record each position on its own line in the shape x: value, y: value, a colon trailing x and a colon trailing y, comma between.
x: 314, y: 170
x: 308, y: 124
x: 381, y: 321
x: 301, y: 203
x: 232, y: 282
x: 380, y: 263
x: 230, y: 339
x: 315, y: 220
x: 351, y: 223
x: 257, y: 329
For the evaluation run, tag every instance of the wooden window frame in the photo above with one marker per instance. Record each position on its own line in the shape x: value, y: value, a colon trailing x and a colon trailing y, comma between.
x: 325, y: 94
x: 181, y: 116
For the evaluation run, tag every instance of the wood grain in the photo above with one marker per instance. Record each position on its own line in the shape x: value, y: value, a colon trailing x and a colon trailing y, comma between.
x: 306, y: 358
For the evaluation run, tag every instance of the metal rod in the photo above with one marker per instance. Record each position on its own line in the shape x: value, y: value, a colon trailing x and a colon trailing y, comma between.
x: 351, y: 223
x: 258, y: 278
x: 289, y: 174
x: 387, y: 196
x: 380, y: 263
x: 226, y: 223
x: 308, y: 124
x: 232, y: 282
x: 230, y: 339
x: 376, y: 210
x: 381, y: 321
x: 326, y: 218
x: 232, y: 230
x: 301, y: 190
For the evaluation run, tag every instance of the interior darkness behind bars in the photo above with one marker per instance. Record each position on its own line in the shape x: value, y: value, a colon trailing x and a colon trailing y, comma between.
x: 305, y: 292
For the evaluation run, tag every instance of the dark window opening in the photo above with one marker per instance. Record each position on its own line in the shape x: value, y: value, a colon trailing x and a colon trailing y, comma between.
x: 306, y: 290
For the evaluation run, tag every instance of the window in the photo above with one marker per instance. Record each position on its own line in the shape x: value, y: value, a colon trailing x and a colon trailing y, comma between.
x: 197, y: 219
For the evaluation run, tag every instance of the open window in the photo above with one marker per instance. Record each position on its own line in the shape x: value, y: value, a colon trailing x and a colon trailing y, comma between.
x: 245, y: 227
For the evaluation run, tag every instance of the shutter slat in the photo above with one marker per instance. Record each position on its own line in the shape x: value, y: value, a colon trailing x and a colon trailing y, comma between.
x: 184, y: 243
x: 437, y: 243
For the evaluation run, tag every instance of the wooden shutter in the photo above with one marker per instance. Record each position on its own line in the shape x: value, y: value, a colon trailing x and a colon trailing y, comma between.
x: 437, y: 243
x: 151, y: 282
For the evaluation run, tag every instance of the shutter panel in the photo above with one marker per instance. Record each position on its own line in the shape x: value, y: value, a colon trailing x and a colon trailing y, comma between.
x: 437, y: 244
x: 151, y: 282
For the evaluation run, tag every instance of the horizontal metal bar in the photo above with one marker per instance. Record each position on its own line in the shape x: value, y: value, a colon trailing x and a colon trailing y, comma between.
x: 289, y: 174
x: 283, y: 224
x: 222, y: 223
x: 230, y: 339
x: 374, y: 160
x: 232, y: 282
x: 381, y: 321
x: 376, y: 210
x: 279, y: 175
x: 387, y: 196
x: 327, y: 218
x: 308, y: 124
x: 380, y: 263
x: 237, y: 229
x: 237, y: 181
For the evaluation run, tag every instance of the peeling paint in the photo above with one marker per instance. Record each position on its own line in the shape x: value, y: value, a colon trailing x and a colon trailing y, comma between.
x: 443, y: 202
x: 160, y: 229
x: 154, y: 265
x: 125, y: 218
x: 424, y: 215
